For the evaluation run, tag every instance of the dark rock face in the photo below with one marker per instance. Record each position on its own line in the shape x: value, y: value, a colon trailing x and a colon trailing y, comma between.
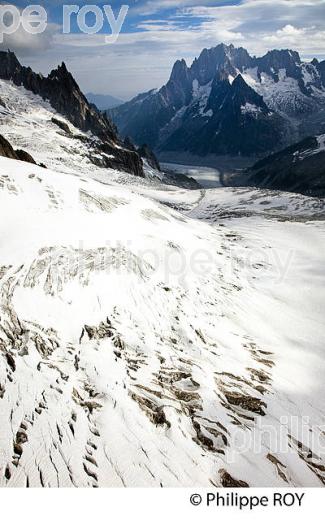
x: 321, y: 69
x: 130, y: 160
x: 6, y: 150
x: 299, y: 168
x: 145, y: 152
x: 128, y: 143
x: 181, y: 181
x: 276, y: 60
x: 24, y: 156
x: 62, y: 125
x: 63, y: 93
x: 208, y: 108
x: 231, y: 129
x: 221, y: 58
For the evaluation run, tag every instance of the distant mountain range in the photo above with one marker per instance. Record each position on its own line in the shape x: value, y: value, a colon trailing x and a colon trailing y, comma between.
x: 103, y: 102
x: 229, y: 103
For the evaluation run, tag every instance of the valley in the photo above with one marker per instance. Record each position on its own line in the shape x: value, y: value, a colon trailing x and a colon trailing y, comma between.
x: 153, y: 333
x: 206, y: 177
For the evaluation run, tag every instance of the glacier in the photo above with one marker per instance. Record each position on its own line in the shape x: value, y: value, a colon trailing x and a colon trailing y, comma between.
x: 152, y: 336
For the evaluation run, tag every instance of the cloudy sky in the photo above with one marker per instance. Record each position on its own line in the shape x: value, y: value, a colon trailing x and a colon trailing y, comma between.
x: 157, y: 32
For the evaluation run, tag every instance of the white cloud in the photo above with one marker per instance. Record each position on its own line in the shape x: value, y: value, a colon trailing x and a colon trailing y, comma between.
x: 285, y: 23
x: 24, y: 42
x: 143, y: 60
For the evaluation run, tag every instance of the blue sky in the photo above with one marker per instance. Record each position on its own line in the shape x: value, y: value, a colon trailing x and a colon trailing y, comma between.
x: 156, y: 33
x: 140, y: 12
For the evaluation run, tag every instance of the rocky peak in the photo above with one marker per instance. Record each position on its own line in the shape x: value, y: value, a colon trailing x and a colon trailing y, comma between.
x: 220, y: 58
x: 275, y: 61
x: 61, y: 73
x: 9, y: 63
x: 281, y: 58
x: 63, y: 68
x: 62, y: 76
x: 205, y: 104
x: 210, y: 60
x: 61, y: 90
x: 241, y: 59
x: 180, y: 72
x: 239, y: 83
x: 321, y: 70
x: 243, y: 93
x: 230, y: 98
x: 146, y: 153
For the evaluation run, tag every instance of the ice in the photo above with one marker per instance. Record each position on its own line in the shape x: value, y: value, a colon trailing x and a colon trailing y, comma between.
x: 147, y: 330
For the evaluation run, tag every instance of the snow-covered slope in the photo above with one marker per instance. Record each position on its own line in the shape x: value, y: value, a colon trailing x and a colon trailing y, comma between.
x: 30, y: 123
x: 151, y: 335
x: 127, y: 359
x: 286, y: 94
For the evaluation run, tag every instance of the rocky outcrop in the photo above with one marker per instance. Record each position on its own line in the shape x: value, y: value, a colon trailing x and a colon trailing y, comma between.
x: 275, y: 61
x: 24, y: 156
x: 146, y: 153
x: 113, y: 157
x: 321, y: 69
x: 62, y: 125
x: 299, y: 168
x: 6, y: 150
x: 60, y: 89
x: 128, y: 143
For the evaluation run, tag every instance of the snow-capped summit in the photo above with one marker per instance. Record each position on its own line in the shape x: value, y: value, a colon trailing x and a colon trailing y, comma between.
x: 180, y: 118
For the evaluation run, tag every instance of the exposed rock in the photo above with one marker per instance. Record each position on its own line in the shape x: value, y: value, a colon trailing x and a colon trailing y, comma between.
x: 6, y: 150
x: 128, y: 143
x: 154, y: 412
x: 122, y: 159
x: 148, y: 154
x: 183, y: 181
x: 61, y: 124
x: 228, y: 481
x: 299, y: 168
x: 60, y: 89
x: 104, y: 330
x: 246, y: 402
x: 25, y: 156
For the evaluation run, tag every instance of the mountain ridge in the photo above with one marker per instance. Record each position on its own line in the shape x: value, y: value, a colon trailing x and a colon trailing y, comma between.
x: 293, y: 92
x: 300, y: 168
x: 65, y: 96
